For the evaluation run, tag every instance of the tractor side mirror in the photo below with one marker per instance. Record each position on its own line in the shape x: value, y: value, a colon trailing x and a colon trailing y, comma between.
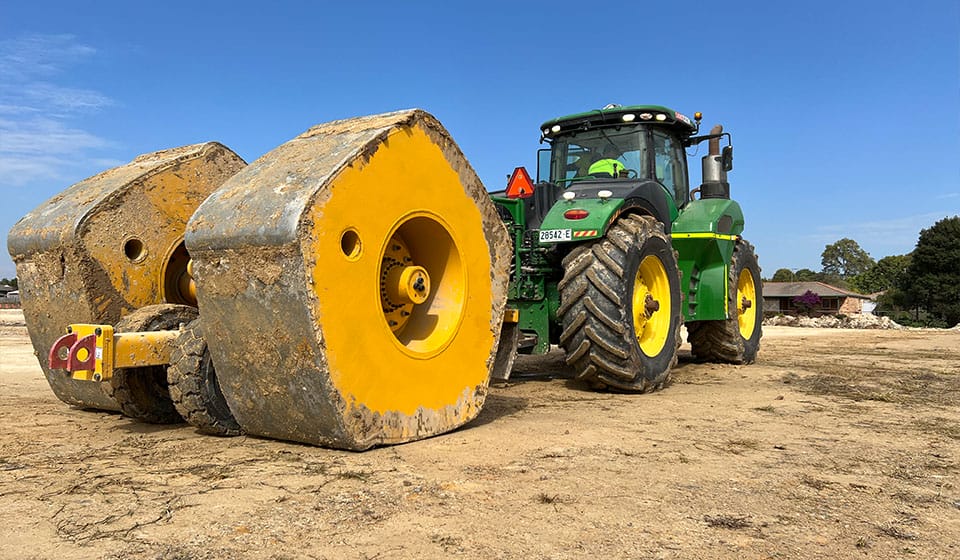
x: 727, y: 158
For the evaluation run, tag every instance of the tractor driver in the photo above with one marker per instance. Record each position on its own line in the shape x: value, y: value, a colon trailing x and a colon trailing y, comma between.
x: 608, y: 164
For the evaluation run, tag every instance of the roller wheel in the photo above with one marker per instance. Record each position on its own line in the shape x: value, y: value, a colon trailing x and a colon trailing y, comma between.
x: 361, y: 302
x: 142, y: 393
x: 737, y: 339
x: 194, y: 387
x: 620, y: 307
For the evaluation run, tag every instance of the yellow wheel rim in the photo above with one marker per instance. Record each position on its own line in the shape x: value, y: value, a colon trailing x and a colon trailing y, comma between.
x: 651, y: 306
x: 746, y: 299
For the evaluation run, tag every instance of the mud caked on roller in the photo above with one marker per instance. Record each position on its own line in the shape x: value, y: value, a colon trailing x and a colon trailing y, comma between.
x: 352, y: 284
x: 109, y: 245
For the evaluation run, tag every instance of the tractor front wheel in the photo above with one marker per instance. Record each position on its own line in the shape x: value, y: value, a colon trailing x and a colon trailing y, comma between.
x: 737, y: 339
x: 620, y: 307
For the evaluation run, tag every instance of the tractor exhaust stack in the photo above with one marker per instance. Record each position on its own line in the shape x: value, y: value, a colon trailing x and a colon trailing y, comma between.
x: 715, y: 183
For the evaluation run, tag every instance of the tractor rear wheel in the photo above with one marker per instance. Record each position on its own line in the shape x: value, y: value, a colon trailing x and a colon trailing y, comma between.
x: 620, y: 307
x: 737, y: 339
x: 194, y: 387
x: 142, y: 392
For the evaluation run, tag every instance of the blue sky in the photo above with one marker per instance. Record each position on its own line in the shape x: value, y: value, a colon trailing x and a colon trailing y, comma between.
x: 845, y: 115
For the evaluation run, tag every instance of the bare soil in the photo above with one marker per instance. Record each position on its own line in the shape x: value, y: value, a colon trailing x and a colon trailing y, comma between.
x: 836, y: 444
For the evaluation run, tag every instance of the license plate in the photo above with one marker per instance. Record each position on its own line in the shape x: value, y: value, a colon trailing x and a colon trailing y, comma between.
x: 555, y: 235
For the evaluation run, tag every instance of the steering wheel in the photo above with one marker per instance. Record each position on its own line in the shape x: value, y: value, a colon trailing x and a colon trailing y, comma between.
x: 632, y: 173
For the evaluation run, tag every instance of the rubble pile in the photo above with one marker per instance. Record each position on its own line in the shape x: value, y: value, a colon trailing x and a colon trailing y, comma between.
x: 852, y: 321
x: 12, y: 318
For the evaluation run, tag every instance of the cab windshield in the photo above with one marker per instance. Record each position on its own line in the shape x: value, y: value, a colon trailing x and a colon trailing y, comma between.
x: 587, y: 155
x: 573, y: 156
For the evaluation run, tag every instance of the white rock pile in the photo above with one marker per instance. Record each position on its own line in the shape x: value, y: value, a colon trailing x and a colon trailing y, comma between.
x: 852, y: 321
x: 11, y: 318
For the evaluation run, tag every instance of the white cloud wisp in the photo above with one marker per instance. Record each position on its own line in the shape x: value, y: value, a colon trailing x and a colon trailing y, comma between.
x: 38, y: 139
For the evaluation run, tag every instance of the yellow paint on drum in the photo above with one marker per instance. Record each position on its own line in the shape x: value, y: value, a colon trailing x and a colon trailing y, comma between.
x: 406, y: 188
x: 154, y: 216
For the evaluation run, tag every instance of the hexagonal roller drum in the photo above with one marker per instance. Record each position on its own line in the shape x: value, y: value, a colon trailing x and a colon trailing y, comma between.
x: 109, y: 245
x: 352, y: 284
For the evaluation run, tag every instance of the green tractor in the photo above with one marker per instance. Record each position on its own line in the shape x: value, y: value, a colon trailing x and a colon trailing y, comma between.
x: 614, y: 252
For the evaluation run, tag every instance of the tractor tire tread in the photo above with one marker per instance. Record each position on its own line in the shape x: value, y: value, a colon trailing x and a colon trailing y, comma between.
x: 596, y: 325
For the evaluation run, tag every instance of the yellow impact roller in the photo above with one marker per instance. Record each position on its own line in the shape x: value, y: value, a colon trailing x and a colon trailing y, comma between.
x: 352, y: 284
x: 109, y: 245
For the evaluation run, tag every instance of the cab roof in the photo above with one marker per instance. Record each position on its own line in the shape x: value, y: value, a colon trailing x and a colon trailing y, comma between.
x: 620, y: 115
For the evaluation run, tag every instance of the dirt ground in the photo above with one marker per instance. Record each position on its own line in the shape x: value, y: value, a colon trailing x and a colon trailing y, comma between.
x: 836, y: 444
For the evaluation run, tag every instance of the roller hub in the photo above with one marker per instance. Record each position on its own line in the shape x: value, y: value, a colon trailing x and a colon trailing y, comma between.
x: 407, y: 284
x: 403, y: 285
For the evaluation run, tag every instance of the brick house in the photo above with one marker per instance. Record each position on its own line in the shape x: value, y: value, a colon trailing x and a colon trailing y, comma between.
x: 778, y: 298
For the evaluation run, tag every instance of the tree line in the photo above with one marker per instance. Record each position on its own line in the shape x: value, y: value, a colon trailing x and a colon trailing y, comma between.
x: 920, y: 288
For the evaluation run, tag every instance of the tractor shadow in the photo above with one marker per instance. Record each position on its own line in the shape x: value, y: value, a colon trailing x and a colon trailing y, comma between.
x: 552, y: 366
x: 543, y: 368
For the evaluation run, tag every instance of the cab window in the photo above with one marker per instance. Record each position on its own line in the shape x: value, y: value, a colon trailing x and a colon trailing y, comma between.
x: 572, y: 156
x: 670, y: 166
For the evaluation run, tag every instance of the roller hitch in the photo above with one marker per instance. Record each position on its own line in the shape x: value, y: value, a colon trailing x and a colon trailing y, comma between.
x: 93, y: 352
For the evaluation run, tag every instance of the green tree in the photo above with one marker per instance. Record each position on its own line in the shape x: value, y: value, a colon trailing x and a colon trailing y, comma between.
x: 932, y: 280
x: 806, y: 275
x: 783, y: 275
x: 845, y: 259
x: 883, y: 275
x: 9, y: 281
x: 834, y: 280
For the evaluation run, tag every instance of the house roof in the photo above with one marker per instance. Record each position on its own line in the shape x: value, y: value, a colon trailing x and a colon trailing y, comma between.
x: 794, y: 289
x: 4, y: 288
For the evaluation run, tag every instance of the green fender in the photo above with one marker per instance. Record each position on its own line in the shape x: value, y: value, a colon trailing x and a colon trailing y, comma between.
x: 704, y: 235
x: 600, y: 214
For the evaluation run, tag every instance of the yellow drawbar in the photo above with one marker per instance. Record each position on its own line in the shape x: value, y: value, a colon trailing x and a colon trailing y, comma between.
x: 92, y: 352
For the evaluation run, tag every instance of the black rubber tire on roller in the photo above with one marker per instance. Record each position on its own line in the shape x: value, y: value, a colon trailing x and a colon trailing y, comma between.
x: 722, y: 341
x: 194, y: 388
x: 142, y: 393
x: 596, y: 307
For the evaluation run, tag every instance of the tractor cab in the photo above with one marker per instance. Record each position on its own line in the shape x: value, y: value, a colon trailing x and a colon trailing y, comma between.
x: 621, y: 147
